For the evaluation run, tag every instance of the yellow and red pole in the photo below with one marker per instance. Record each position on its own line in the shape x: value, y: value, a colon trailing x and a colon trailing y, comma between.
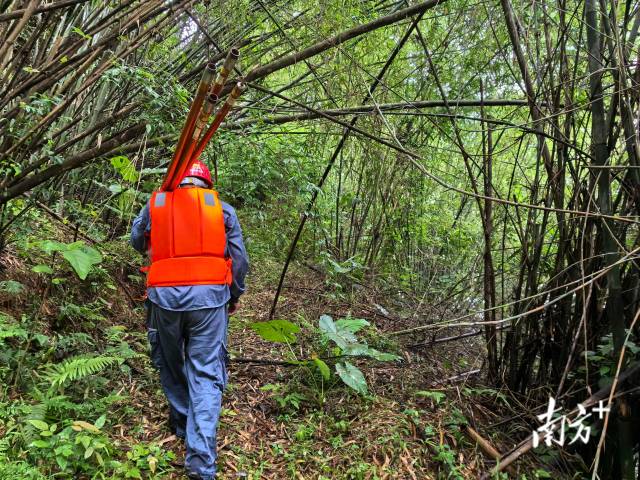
x: 217, y: 120
x: 191, y: 143
x: 187, y: 131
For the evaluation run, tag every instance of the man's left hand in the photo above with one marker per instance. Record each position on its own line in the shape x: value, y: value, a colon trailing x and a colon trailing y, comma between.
x: 233, y: 307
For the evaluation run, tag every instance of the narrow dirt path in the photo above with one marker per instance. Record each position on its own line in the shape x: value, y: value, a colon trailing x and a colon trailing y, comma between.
x: 276, y: 425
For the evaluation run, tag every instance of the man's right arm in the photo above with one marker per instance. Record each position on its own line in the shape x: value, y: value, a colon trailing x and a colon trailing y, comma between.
x: 140, y: 230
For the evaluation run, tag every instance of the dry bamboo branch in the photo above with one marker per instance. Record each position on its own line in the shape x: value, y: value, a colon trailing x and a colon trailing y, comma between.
x: 483, y: 443
x: 44, y: 8
x: 415, y: 158
x: 6, y: 49
x: 319, y: 47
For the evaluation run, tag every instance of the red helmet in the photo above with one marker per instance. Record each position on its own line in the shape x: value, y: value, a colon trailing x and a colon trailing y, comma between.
x: 199, y: 170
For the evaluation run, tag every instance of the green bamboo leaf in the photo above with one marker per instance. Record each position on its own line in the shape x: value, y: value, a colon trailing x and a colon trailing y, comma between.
x: 125, y: 168
x: 50, y: 246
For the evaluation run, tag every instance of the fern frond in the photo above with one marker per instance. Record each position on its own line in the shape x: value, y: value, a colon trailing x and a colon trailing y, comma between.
x: 77, y: 368
x: 29, y: 432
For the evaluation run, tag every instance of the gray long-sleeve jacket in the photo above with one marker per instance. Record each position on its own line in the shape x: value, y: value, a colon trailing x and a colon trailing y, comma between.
x: 197, y: 297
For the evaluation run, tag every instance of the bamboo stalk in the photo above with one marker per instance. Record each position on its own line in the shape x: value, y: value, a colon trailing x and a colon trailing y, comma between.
x: 223, y: 74
x: 187, y: 130
x: 187, y: 160
x: 341, y: 143
x: 331, y: 42
x: 217, y: 120
x: 45, y: 8
x: 483, y: 443
x: 7, y: 48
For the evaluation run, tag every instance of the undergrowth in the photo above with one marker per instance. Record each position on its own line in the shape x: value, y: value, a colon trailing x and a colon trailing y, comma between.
x: 80, y: 399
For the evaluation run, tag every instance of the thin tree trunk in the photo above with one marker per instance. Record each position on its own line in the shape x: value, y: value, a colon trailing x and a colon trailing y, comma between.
x: 489, y: 273
x: 614, y: 310
x: 345, y: 134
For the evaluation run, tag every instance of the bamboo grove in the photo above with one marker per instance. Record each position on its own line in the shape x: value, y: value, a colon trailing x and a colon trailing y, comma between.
x: 481, y: 155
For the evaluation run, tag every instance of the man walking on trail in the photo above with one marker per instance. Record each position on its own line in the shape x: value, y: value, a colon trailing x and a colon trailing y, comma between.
x: 196, y: 277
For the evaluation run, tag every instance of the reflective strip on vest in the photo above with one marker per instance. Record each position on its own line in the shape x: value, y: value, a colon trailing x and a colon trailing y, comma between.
x: 187, y: 239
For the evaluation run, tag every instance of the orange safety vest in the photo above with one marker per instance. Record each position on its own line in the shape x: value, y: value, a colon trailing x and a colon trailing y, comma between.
x: 188, y: 239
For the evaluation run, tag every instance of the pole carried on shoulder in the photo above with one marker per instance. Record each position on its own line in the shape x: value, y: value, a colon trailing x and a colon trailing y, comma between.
x: 192, y: 142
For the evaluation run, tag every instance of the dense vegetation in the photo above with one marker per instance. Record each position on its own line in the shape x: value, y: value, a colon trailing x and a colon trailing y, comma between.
x: 441, y: 204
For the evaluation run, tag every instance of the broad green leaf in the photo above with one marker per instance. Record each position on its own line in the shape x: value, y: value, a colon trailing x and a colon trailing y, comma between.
x: 125, y: 168
x: 356, y: 350
x: 84, y: 440
x: 382, y: 356
x: 342, y: 338
x: 82, y: 258
x: 40, y: 443
x: 50, y: 246
x: 323, y: 368
x: 40, y: 425
x: 62, y: 462
x: 363, y: 350
x: 352, y: 325
x: 42, y: 269
x: 279, y: 331
x: 352, y: 376
x: 327, y: 325
x: 100, y: 421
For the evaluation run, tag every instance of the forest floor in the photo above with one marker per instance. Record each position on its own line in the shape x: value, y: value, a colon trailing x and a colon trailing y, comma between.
x: 275, y: 425
x: 278, y: 421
